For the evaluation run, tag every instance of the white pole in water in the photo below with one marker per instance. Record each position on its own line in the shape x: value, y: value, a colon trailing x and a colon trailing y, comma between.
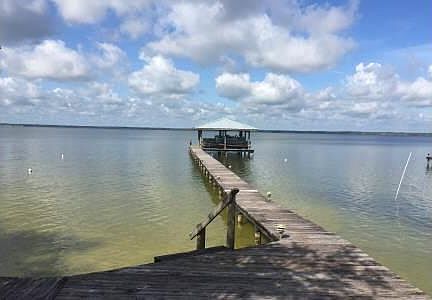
x: 402, y: 177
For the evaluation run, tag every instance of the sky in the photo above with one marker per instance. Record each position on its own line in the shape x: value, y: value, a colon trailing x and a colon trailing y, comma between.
x: 360, y: 65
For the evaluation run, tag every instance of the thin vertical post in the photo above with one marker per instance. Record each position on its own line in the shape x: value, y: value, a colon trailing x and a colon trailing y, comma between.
x: 201, y: 239
x: 225, y: 141
x: 230, y: 240
x: 199, y: 137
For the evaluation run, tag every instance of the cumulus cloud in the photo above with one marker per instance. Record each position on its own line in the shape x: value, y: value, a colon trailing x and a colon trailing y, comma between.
x: 416, y: 93
x: 54, y: 60
x: 18, y: 92
x: 372, y: 92
x: 372, y: 81
x: 159, y: 77
x: 134, y: 27
x: 314, y: 18
x: 109, y: 58
x: 84, y: 11
x: 24, y: 20
x: 363, y: 109
x: 233, y: 86
x: 376, y: 82
x: 51, y: 59
x: 89, y: 99
x: 256, y: 35
x: 274, y: 89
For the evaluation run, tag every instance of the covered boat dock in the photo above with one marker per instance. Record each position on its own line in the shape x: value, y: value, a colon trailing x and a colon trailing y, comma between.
x: 232, y: 136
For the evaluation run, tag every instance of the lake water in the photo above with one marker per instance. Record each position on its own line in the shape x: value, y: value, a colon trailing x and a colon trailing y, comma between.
x: 120, y: 197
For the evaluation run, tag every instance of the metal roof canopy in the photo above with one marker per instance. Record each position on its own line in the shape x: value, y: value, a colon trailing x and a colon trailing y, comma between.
x: 225, y: 124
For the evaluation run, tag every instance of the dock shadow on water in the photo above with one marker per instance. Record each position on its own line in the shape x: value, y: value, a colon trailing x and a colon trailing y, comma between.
x: 32, y: 253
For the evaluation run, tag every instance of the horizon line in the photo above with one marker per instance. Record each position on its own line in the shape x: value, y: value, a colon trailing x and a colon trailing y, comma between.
x: 192, y: 128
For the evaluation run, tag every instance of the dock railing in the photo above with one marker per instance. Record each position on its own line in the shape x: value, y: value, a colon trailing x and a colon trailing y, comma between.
x: 229, y: 202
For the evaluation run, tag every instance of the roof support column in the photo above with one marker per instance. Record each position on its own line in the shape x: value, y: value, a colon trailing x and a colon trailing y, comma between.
x: 225, y: 140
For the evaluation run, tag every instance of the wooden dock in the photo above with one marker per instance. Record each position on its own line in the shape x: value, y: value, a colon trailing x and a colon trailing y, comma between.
x: 302, y: 262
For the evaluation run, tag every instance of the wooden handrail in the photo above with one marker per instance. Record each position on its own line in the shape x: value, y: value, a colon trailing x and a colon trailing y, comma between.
x: 200, y: 229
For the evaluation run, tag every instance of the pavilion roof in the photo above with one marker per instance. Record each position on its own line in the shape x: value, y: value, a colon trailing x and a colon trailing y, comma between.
x: 225, y: 124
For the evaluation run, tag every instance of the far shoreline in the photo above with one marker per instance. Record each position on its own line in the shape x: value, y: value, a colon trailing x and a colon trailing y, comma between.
x: 378, y: 133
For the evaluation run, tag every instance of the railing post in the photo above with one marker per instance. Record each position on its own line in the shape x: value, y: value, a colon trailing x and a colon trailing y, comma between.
x: 230, y: 240
x: 200, y: 242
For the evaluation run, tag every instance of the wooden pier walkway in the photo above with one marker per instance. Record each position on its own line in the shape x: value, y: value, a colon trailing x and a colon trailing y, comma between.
x: 306, y: 262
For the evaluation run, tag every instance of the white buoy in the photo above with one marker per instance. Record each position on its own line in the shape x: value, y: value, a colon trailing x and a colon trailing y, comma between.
x: 285, y: 159
x: 229, y: 166
x: 62, y: 156
x: 29, y: 171
x: 269, y: 194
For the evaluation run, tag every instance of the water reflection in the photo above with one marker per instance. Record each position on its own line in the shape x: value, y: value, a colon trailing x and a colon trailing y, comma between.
x: 428, y: 169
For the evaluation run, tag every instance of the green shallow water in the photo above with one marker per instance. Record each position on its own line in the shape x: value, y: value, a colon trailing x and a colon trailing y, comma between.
x: 120, y: 197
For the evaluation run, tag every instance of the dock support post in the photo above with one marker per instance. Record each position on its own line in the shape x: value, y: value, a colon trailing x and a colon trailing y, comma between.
x: 230, y: 241
x: 201, y: 239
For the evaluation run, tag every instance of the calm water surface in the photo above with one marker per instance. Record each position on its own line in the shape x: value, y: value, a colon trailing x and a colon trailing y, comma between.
x: 120, y: 197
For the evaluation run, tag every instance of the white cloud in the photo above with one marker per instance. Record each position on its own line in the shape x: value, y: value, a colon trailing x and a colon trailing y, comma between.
x: 416, y: 93
x: 375, y: 82
x: 274, y: 89
x: 89, y: 99
x: 372, y: 81
x: 50, y: 59
x: 159, y: 77
x: 102, y: 92
x: 233, y: 86
x: 373, y: 92
x: 261, y: 40
x: 110, y: 56
x: 134, y: 27
x: 92, y: 11
x: 320, y: 19
x: 18, y: 92
x: 363, y: 108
